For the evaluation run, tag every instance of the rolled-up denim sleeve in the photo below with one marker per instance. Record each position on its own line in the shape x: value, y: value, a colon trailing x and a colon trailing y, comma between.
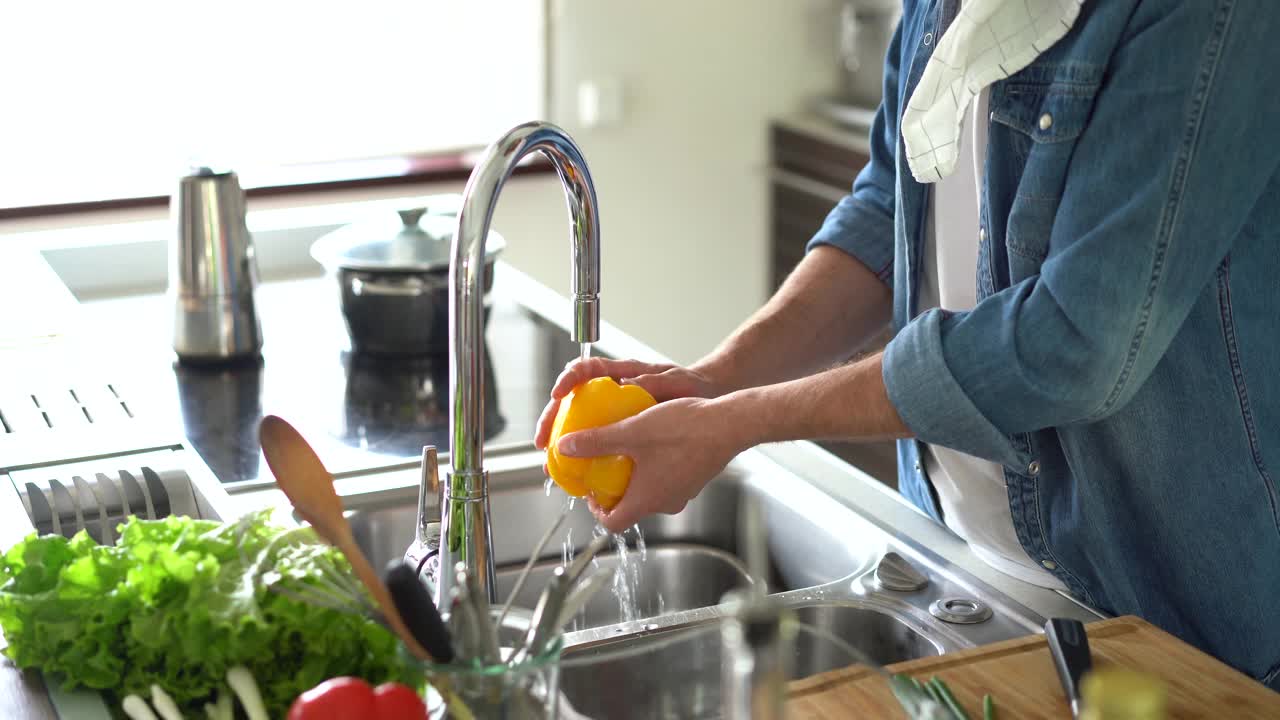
x: 861, y: 224
x: 1178, y: 152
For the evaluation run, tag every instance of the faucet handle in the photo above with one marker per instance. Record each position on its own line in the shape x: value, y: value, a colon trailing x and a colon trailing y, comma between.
x: 426, y: 531
x: 430, y: 470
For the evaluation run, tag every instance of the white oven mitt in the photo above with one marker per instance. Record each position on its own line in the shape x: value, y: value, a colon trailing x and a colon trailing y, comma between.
x: 988, y: 40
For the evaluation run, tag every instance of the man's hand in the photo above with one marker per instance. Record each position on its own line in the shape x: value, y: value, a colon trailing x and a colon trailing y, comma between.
x: 663, y: 382
x: 678, y: 446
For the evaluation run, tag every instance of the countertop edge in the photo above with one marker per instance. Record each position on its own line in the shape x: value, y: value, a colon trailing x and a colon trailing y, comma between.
x: 814, y: 124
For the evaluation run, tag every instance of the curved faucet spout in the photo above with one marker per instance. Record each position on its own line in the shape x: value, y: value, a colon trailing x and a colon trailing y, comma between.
x: 466, y: 536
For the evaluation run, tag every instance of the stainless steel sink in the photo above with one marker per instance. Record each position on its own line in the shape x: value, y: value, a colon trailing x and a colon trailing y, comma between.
x: 665, y: 662
x: 675, y: 673
x: 884, y: 638
x: 691, y: 560
x: 663, y: 582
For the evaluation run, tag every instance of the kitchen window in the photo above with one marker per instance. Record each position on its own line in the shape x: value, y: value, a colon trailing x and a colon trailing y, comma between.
x: 106, y: 104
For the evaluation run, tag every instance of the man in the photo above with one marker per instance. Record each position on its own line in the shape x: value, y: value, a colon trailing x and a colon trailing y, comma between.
x: 1097, y: 408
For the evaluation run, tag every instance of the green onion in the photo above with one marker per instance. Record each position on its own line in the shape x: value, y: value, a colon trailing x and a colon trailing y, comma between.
x: 947, y: 699
x: 932, y: 690
x: 988, y: 708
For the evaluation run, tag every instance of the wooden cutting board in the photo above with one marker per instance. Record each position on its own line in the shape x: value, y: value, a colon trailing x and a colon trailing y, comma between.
x: 1020, y: 677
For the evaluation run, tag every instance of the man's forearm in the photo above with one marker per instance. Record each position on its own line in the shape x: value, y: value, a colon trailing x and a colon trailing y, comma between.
x: 848, y: 403
x: 830, y: 306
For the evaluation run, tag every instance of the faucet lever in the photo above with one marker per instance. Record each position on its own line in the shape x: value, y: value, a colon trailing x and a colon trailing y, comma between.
x: 426, y: 531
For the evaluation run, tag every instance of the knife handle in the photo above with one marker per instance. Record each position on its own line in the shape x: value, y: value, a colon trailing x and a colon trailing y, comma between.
x: 418, y: 611
x: 1070, y: 649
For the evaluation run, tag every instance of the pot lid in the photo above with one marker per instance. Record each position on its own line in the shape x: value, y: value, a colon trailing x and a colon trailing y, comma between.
x: 416, y: 241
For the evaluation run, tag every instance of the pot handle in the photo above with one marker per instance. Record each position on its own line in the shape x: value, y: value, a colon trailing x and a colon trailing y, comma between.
x: 410, y: 287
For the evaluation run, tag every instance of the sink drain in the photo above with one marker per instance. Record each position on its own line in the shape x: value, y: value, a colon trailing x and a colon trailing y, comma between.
x: 960, y: 610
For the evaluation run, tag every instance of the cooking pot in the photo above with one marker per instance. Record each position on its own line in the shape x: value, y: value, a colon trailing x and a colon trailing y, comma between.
x: 393, y: 276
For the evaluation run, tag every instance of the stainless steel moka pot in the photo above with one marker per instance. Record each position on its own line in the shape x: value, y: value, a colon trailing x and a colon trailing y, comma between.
x: 212, y: 270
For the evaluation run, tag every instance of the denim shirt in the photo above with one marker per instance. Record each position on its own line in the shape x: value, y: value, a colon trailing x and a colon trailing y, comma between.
x: 1123, y: 360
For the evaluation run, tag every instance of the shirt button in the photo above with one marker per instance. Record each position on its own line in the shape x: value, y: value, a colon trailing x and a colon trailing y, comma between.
x: 1049, y: 564
x: 918, y: 468
x: 1046, y: 121
x: 928, y: 38
x: 1034, y: 468
x: 982, y: 234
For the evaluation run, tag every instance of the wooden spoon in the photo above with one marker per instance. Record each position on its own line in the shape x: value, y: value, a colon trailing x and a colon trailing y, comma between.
x: 309, y: 486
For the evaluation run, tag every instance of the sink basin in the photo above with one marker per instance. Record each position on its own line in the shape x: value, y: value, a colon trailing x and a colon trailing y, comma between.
x: 674, y: 577
x: 676, y: 673
x: 693, y: 558
x: 664, y: 661
x: 883, y: 638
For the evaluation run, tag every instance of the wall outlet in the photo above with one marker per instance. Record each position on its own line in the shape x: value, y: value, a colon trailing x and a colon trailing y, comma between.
x: 599, y: 103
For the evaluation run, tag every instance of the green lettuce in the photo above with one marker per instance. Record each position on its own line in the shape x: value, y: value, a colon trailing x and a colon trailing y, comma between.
x: 179, y: 601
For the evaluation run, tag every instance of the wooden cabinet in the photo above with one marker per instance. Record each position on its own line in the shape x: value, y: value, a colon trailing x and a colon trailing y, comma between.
x: 809, y: 175
x: 813, y: 166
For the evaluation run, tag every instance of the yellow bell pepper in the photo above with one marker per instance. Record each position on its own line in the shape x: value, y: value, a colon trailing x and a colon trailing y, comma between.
x: 599, y: 401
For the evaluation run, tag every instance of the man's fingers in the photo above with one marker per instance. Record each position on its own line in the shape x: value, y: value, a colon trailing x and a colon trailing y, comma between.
x: 576, y: 373
x: 656, y: 385
x: 543, y: 432
x: 667, y: 385
x: 580, y: 371
x: 622, y: 516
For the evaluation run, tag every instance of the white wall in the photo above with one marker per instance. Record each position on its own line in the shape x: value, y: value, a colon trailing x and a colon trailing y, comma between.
x: 249, y: 85
x: 681, y: 178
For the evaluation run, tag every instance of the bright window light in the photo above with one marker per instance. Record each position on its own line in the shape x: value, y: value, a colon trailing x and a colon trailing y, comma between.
x: 117, y: 99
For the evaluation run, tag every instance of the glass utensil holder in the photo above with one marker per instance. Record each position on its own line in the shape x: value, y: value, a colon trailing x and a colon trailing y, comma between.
x: 529, y: 690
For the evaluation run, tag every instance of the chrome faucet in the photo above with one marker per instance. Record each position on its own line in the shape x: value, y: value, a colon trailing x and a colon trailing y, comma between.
x: 465, y: 532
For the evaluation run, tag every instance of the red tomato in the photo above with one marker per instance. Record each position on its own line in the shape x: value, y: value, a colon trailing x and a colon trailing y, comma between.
x: 343, y: 698
x: 398, y: 702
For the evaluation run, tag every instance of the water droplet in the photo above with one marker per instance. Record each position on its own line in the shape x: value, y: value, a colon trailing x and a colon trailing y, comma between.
x: 640, y: 546
x: 566, y: 548
x: 548, y: 485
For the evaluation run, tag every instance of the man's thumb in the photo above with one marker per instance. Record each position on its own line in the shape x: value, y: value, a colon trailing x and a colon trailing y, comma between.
x: 591, y: 443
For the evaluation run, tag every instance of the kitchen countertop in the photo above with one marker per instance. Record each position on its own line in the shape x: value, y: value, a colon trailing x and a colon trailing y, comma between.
x: 359, y: 412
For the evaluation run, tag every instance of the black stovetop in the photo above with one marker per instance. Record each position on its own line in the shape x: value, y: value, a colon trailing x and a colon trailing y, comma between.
x: 359, y: 412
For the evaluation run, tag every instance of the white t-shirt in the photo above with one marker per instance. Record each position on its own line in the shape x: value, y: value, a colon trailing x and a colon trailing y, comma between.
x: 971, y: 491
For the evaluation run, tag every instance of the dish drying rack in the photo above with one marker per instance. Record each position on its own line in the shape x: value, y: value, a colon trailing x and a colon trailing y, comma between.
x: 81, y: 454
x: 101, y: 501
